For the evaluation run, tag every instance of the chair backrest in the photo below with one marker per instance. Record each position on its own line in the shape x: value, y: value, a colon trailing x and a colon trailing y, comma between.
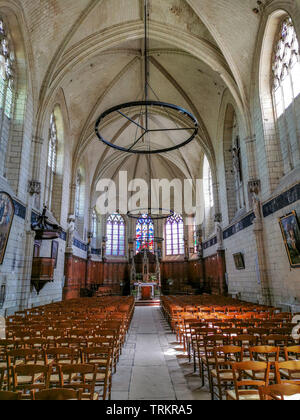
x: 245, y: 373
x: 292, y: 353
x: 81, y: 376
x: 58, y: 394
x: 279, y: 392
x: 10, y: 396
x: 24, y: 356
x: 29, y: 377
x: 100, y: 356
x: 61, y: 354
x: 245, y: 340
x: 268, y: 352
x: 288, y: 372
x: 226, y: 355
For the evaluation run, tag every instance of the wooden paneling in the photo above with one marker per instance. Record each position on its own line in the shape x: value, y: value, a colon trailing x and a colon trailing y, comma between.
x: 211, y: 283
x: 215, y: 269
x: 75, y: 277
x: 85, y: 274
x: 183, y: 274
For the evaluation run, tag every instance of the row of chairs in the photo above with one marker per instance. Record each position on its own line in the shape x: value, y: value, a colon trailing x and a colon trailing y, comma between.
x: 79, y: 353
x: 221, y: 336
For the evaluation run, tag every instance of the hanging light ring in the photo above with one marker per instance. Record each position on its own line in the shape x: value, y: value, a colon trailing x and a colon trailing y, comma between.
x: 153, y: 213
x: 192, y: 121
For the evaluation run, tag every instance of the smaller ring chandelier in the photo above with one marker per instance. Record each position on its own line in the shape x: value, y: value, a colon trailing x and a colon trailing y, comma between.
x: 159, y: 214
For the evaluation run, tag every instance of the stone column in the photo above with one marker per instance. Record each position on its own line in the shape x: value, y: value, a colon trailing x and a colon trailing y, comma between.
x: 264, y: 281
x: 258, y: 231
x: 221, y: 256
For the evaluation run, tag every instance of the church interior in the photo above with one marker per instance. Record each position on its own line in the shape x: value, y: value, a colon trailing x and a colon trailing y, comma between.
x: 107, y: 291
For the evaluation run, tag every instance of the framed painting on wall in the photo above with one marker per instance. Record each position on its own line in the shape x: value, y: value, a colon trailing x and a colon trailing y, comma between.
x: 291, y: 236
x: 7, y: 212
x: 239, y: 261
x: 54, y: 252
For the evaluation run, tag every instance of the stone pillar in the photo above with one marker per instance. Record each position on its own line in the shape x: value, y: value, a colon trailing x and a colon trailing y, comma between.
x: 221, y: 260
x: 262, y: 269
x: 258, y: 231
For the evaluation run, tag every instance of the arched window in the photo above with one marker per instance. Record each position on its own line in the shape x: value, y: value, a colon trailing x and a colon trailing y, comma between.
x: 286, y: 88
x: 94, y: 224
x: 6, y: 72
x: 115, y: 233
x: 286, y: 67
x: 144, y: 234
x: 207, y: 184
x: 175, y: 235
x: 52, y: 160
x: 6, y: 91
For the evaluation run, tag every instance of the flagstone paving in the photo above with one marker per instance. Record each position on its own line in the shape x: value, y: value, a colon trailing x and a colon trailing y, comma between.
x: 151, y: 367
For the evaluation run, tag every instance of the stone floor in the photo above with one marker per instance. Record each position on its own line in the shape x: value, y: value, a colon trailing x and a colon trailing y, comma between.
x: 152, y: 367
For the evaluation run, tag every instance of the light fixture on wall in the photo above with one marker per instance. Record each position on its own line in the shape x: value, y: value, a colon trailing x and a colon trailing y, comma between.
x: 141, y: 115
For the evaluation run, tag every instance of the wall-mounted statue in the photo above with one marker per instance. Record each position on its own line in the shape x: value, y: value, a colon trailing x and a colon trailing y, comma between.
x: 70, y: 232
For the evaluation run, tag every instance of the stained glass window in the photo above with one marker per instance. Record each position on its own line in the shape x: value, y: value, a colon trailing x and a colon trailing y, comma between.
x: 52, y: 160
x: 144, y: 234
x: 175, y: 235
x: 286, y: 67
x: 115, y: 233
x: 6, y: 72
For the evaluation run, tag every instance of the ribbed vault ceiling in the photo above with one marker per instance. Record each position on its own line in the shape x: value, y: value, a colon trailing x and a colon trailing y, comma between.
x: 94, y: 53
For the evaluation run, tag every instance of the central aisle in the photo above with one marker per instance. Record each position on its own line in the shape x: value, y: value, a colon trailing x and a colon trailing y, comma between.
x: 149, y: 367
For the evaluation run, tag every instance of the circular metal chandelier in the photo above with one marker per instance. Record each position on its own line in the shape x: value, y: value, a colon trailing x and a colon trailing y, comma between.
x: 140, y: 115
x: 146, y: 148
x: 155, y: 215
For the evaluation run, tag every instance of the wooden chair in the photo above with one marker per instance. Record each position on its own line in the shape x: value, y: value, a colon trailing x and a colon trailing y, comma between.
x: 292, y: 353
x: 247, y: 388
x: 59, y: 356
x: 57, y: 394
x: 267, y: 354
x: 30, y: 377
x: 101, y: 357
x: 288, y: 372
x: 81, y: 377
x: 246, y: 341
x: 222, y: 375
x: 26, y: 357
x: 208, y: 359
x: 280, y: 392
x: 10, y: 396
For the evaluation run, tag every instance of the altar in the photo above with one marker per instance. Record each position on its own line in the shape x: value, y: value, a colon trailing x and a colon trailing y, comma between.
x: 144, y: 289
